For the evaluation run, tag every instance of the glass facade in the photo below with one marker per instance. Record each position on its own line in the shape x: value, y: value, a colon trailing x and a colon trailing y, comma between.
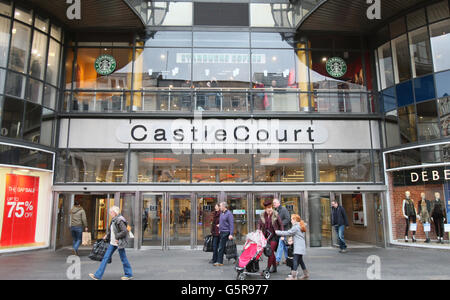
x: 29, y: 69
x: 413, y: 75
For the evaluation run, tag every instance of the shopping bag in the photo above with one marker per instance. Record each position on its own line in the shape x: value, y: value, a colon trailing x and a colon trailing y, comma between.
x: 98, y: 250
x: 426, y: 227
x: 231, y: 250
x: 447, y: 227
x: 413, y: 227
x: 86, y: 239
x: 208, y: 244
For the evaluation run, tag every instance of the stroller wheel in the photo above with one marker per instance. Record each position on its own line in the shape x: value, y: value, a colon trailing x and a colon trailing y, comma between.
x: 241, y: 276
x: 266, y: 275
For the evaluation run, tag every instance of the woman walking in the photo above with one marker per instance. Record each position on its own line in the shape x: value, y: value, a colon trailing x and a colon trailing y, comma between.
x: 298, y: 232
x: 215, y: 233
x: 268, y: 224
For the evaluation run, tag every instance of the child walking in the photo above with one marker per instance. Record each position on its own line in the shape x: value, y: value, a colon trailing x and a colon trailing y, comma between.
x: 298, y: 232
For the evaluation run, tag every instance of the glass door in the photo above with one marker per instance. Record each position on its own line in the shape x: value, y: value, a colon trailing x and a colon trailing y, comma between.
x: 152, y: 221
x: 180, y: 221
x: 319, y: 206
x: 294, y: 204
x: 238, y: 205
x: 205, y: 212
x: 126, y: 205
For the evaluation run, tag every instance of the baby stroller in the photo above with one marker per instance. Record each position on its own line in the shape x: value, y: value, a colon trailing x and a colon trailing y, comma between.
x: 248, y: 264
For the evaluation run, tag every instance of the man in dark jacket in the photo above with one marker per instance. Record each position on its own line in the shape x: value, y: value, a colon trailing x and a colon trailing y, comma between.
x: 117, y: 235
x: 285, y: 217
x: 339, y: 221
x: 226, y: 229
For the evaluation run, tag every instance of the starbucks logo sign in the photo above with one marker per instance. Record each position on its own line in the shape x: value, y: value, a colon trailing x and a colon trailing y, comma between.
x: 336, y: 67
x: 105, y: 64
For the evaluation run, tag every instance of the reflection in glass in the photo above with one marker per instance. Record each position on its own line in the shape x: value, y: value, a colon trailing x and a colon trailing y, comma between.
x: 385, y: 64
x: 289, y: 166
x: 344, y: 166
x: 427, y: 121
x: 400, y: 55
x: 32, y: 125
x: 205, y: 214
x: 34, y: 91
x: 237, y: 204
x: 152, y: 219
x: 273, y: 68
x: 271, y: 15
x: 162, y: 101
x: 96, y: 167
x: 53, y: 63
x: 420, y: 52
x: 165, y: 67
x: 38, y: 55
x: 12, y: 118
x: 444, y: 114
x: 4, y: 40
x: 271, y: 40
x: 392, y: 129
x: 319, y: 207
x: 169, y: 13
x: 101, y: 102
x: 407, y: 122
x: 23, y: 15
x: 161, y: 166
x: 47, y: 127
x: 15, y: 85
x: 20, y: 44
x: 440, y: 39
x: 180, y: 219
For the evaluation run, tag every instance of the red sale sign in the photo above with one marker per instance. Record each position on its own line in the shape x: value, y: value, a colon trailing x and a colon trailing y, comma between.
x: 20, y: 210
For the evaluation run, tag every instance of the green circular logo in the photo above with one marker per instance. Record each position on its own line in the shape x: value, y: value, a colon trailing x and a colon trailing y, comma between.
x: 105, y: 64
x: 336, y: 67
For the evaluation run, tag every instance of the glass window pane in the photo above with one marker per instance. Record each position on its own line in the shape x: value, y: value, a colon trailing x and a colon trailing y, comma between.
x: 96, y: 167
x: 228, y: 67
x: 344, y: 166
x: 5, y: 25
x: 68, y: 67
x: 271, y: 15
x: 41, y: 24
x: 49, y: 97
x: 444, y: 113
x: 53, y: 62
x: 32, y: 126
x: 5, y: 8
x: 400, y: 52
x: 289, y: 166
x: 15, y: 85
x: 405, y: 94
x: 221, y: 168
x: 38, y: 55
x: 34, y: 92
x: 407, y: 122
x: 424, y: 88
x: 162, y: 67
x: 420, y: 52
x: 427, y: 121
x: 159, y: 166
x: 416, y: 19
x: 442, y: 84
x: 56, y: 32
x: 23, y: 15
x: 20, y: 48
x: 222, y: 39
x: 169, y: 39
x: 272, y: 40
x: 162, y: 101
x: 392, y: 129
x: 440, y: 39
x: 389, y: 100
x: 438, y: 11
x: 87, y: 77
x: 170, y: 13
x: 101, y: 102
x: 385, y: 65
x: 273, y: 68
x: 12, y: 119
x: 47, y: 127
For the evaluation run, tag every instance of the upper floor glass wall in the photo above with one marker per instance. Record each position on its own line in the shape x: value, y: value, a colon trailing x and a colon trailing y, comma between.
x: 413, y: 74
x: 217, y: 71
x: 30, y: 57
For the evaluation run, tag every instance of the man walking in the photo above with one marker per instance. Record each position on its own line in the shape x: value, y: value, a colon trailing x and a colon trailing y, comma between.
x: 339, y: 221
x: 226, y: 229
x: 78, y: 221
x: 285, y: 217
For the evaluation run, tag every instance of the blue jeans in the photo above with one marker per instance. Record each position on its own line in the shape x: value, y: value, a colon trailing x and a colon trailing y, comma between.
x: 340, y: 232
x: 280, y: 250
x: 77, y: 236
x: 215, y: 245
x: 223, y: 238
x: 108, y: 255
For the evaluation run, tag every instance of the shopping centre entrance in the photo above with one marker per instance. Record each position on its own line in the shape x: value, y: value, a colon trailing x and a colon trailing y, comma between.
x: 167, y: 220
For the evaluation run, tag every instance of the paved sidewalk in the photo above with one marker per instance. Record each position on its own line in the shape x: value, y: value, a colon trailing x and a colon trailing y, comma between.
x: 325, y: 263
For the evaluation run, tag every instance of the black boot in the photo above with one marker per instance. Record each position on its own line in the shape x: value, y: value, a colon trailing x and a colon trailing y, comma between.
x: 273, y: 269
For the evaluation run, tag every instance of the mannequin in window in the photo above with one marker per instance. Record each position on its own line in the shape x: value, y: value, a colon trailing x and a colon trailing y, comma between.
x: 425, y: 213
x: 438, y: 216
x: 410, y: 214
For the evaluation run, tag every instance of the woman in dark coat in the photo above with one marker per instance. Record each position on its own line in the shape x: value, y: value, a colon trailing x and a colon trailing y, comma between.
x: 215, y: 233
x: 268, y: 223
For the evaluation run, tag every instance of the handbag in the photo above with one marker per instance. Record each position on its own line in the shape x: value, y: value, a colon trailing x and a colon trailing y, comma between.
x: 231, y: 250
x: 98, y: 250
x: 208, y: 244
x: 86, y: 239
x: 268, y: 250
